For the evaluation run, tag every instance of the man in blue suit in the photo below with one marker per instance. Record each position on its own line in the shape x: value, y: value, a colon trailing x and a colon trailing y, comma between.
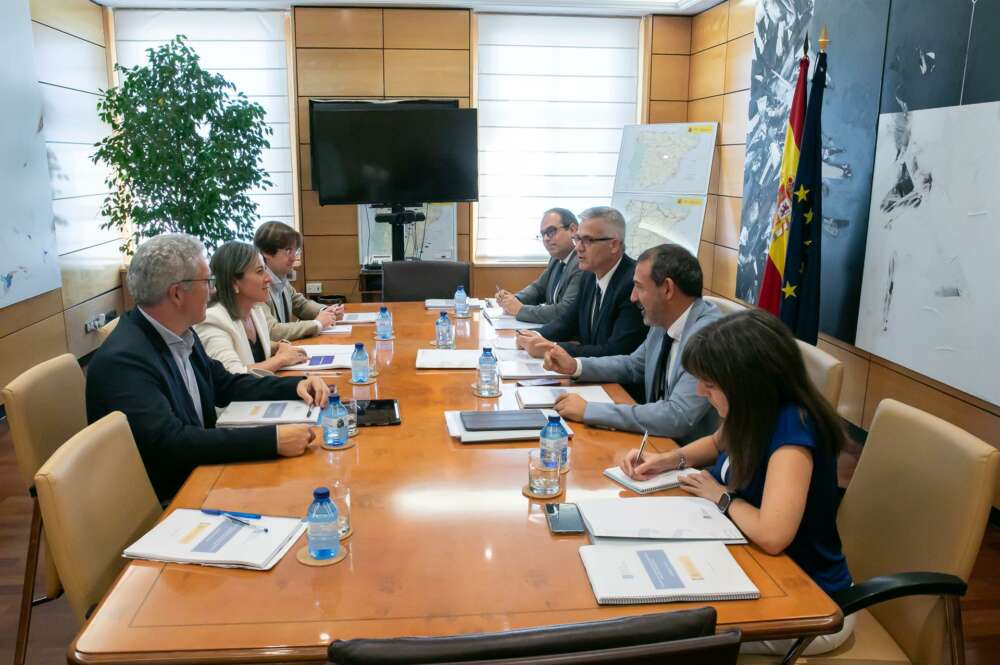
x: 154, y: 369
x: 667, y: 286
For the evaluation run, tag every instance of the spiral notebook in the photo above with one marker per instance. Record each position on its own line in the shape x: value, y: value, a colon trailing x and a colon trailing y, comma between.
x: 666, y: 572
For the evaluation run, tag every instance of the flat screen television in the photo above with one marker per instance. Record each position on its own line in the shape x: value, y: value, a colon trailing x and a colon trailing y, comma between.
x: 393, y: 153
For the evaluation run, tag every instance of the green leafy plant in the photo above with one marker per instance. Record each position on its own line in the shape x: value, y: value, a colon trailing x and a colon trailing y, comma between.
x: 183, y: 152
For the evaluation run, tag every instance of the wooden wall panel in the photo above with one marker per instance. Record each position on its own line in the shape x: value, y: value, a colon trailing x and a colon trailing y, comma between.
x: 668, y: 79
x: 511, y: 278
x: 339, y: 72
x: 464, y: 248
x: 348, y: 288
x: 80, y: 18
x: 78, y: 341
x: 333, y: 27
x: 464, y: 221
x: 708, y: 72
x: 852, y: 395
x: 713, y: 180
x: 23, y: 314
x: 724, y: 269
x: 706, y: 257
x: 727, y: 231
x: 427, y: 29
x: 672, y: 35
x: 331, y: 257
x: 710, y: 28
x: 731, y: 170
x: 709, y: 109
x: 90, y: 272
x: 317, y: 220
x: 305, y: 168
x: 734, y: 118
x: 29, y: 346
x: 433, y: 73
x: 711, y: 218
x: 667, y: 112
x: 739, y: 56
x: 741, y: 18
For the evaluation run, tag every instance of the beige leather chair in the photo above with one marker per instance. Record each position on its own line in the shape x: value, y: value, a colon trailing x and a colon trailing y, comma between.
x: 825, y: 371
x: 918, y: 502
x: 725, y: 305
x: 96, y: 500
x: 106, y: 329
x: 45, y: 405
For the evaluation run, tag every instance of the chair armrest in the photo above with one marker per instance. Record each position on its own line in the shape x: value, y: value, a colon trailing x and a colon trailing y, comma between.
x: 887, y: 587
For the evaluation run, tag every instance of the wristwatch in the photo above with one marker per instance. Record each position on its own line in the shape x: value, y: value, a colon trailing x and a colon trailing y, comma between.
x: 682, y: 462
x: 724, y: 502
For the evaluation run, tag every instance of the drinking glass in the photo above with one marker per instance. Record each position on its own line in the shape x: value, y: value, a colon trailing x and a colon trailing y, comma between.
x: 340, y: 495
x: 543, y: 478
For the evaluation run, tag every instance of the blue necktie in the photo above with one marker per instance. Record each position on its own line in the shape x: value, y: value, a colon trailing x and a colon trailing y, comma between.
x: 554, y: 281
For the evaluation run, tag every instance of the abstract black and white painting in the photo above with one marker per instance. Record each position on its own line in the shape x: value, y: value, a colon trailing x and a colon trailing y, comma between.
x: 929, y: 299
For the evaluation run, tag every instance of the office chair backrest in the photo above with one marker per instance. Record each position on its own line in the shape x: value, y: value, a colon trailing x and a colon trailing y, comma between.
x: 825, y: 371
x: 919, y: 501
x: 529, y: 642
x: 96, y: 499
x: 420, y: 280
x: 725, y: 305
x: 720, y: 649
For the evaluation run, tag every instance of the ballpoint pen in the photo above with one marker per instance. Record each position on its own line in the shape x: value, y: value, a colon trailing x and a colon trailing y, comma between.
x: 243, y: 522
x: 236, y: 513
x: 638, y: 455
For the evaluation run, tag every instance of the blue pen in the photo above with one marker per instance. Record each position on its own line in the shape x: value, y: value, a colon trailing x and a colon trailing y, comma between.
x: 234, y: 513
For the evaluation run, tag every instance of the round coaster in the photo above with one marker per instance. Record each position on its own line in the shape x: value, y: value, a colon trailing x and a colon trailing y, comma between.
x: 303, y: 557
x: 350, y: 444
x: 475, y: 391
x: 434, y: 343
x: 526, y: 491
x: 350, y: 532
x: 384, y: 339
x: 563, y: 471
x: 361, y: 383
x: 353, y: 434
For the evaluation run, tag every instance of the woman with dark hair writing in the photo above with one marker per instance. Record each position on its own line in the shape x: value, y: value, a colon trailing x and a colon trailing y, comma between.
x: 772, y: 465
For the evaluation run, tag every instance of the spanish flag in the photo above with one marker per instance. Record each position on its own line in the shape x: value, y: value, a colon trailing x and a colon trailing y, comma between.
x: 774, y: 270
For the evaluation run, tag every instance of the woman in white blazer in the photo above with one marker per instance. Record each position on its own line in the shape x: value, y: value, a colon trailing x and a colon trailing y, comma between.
x: 235, y: 330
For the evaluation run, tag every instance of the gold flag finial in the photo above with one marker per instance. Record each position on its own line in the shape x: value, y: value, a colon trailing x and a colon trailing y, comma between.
x: 824, y: 39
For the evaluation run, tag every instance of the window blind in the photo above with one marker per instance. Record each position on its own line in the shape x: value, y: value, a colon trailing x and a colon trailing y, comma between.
x: 554, y: 93
x: 248, y: 48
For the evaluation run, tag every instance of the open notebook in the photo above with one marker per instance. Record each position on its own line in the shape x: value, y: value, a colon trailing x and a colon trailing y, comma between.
x: 276, y: 412
x: 665, y: 572
x: 663, y: 481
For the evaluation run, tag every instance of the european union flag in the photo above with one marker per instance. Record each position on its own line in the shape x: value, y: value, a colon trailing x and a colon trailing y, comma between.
x: 800, y: 291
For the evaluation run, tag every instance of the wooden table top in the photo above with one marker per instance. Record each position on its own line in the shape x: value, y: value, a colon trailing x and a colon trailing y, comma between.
x: 443, y: 541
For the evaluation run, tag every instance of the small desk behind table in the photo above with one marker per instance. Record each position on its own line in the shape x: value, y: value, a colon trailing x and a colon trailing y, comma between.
x: 443, y: 541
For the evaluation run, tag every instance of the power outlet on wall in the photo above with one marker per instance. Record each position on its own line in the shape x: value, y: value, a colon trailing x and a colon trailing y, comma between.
x: 314, y: 288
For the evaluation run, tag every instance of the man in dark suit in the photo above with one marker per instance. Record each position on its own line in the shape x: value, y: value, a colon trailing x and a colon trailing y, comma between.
x: 154, y: 369
x: 604, y: 322
x: 555, y: 291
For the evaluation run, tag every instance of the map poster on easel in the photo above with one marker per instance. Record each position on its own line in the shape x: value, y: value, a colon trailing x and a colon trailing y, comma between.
x: 661, y: 185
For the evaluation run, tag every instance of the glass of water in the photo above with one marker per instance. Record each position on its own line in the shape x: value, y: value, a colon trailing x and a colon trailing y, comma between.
x: 352, y: 417
x: 340, y: 495
x: 373, y: 361
x: 543, y: 474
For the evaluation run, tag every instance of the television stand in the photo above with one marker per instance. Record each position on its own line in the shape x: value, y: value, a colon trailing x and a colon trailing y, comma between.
x: 399, y: 216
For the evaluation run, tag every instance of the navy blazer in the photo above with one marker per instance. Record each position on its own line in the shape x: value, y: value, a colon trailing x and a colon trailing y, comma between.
x: 619, y: 330
x: 134, y: 372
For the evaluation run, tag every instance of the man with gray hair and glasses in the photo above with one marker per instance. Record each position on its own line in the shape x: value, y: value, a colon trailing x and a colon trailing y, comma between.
x: 154, y: 369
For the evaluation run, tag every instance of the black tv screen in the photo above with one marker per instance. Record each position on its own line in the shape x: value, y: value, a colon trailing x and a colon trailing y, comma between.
x: 407, y: 154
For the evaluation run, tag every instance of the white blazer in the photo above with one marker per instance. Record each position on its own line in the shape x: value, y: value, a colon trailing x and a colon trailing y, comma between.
x: 226, y: 340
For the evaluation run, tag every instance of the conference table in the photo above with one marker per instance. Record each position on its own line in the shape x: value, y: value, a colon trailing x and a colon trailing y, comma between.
x: 443, y: 540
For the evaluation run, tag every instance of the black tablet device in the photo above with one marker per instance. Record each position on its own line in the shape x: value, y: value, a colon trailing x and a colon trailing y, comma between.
x: 492, y: 421
x: 375, y: 412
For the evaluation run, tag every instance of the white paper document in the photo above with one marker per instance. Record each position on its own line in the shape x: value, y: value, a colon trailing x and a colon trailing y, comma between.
x: 512, y: 354
x: 506, y: 342
x: 456, y: 430
x: 191, y: 536
x: 664, y: 481
x: 449, y: 303
x: 360, y: 317
x: 665, y: 572
x: 544, y: 397
x: 658, y: 517
x: 336, y: 330
x: 324, y: 356
x: 517, y: 369
x: 448, y: 358
x: 496, y: 313
x: 513, y: 324
x: 278, y: 412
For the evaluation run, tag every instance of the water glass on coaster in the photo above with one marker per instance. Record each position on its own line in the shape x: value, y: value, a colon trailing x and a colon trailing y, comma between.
x: 543, y: 474
x: 352, y: 417
x: 373, y: 362
x: 340, y: 496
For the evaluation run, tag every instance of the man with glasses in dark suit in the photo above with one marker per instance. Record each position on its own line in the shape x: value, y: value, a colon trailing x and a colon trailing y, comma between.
x: 604, y: 320
x: 555, y: 291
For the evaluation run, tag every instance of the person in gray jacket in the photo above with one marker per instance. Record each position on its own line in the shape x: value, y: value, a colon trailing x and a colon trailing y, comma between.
x: 553, y: 294
x: 667, y: 287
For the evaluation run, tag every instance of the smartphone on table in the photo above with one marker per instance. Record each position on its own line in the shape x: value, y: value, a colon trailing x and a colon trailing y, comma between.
x: 564, y: 518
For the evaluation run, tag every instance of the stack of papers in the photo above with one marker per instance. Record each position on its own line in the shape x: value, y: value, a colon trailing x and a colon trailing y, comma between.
x: 664, y: 481
x: 666, y: 572
x: 191, y: 536
x: 448, y: 358
x: 512, y: 354
x: 360, y: 317
x: 325, y: 356
x: 281, y: 412
x: 658, y: 517
x: 509, y: 342
x: 336, y: 330
x: 517, y: 369
x: 543, y: 397
x: 449, y: 303
x: 496, y: 313
x: 510, y: 323
x: 453, y: 420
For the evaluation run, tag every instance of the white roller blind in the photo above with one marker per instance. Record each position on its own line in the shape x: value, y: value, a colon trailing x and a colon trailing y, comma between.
x: 248, y: 48
x: 553, y: 94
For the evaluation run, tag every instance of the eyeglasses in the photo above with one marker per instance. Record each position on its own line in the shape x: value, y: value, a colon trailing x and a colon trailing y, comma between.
x: 587, y: 241
x: 292, y: 251
x: 209, y: 281
x: 549, y: 232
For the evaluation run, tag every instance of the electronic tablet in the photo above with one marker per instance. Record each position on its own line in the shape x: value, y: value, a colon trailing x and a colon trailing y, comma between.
x: 375, y: 412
